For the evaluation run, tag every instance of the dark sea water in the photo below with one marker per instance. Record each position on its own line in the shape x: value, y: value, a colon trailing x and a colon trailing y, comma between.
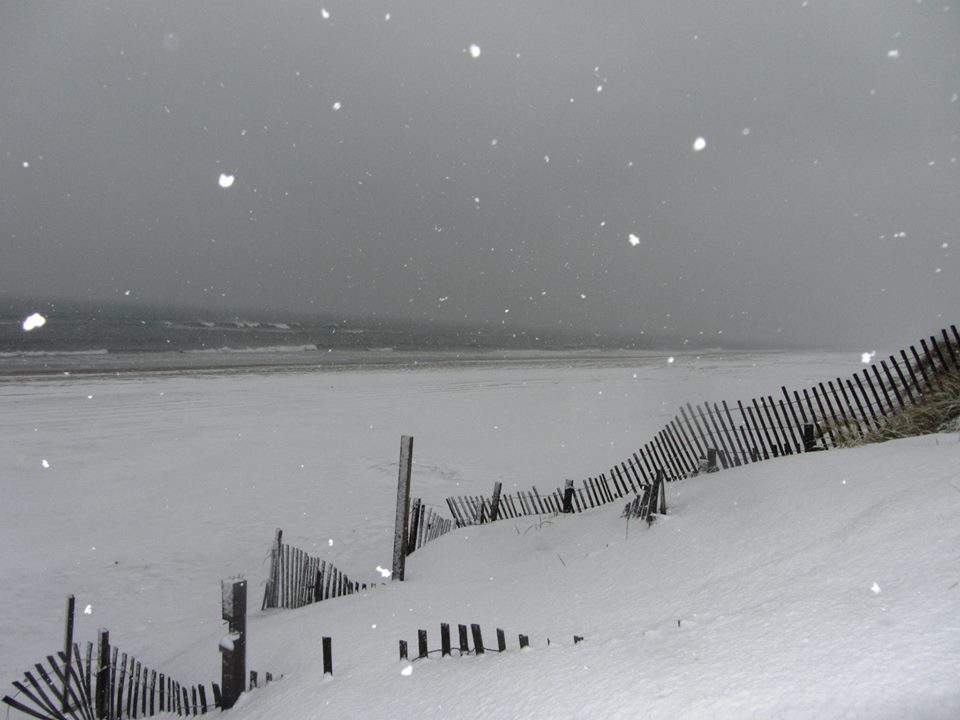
x: 98, y: 340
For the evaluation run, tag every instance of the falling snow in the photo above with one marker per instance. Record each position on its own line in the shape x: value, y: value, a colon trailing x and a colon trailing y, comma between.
x: 226, y: 180
x: 699, y: 144
x: 475, y: 51
x: 634, y: 240
x: 34, y: 321
x: 867, y: 357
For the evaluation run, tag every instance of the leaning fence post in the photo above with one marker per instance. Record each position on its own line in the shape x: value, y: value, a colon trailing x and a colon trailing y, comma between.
x: 495, y: 502
x: 68, y: 651
x: 234, y: 647
x: 403, y: 508
x: 809, y: 442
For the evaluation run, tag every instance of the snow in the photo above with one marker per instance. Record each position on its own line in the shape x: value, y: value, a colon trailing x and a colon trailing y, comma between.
x: 475, y: 51
x: 634, y: 240
x: 699, y: 144
x: 225, y: 180
x: 867, y: 357
x: 756, y: 596
x: 33, y: 321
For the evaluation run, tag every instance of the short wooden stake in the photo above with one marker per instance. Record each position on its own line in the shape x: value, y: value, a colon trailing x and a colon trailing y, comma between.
x: 444, y: 639
x: 414, y: 526
x: 577, y: 639
x: 464, y: 645
x: 809, y: 443
x: 253, y: 679
x: 568, y: 496
x: 524, y: 642
x: 203, y: 698
x: 477, y: 639
x: 422, y: 644
x: 327, y: 656
x: 501, y: 641
x: 403, y: 650
x: 403, y: 508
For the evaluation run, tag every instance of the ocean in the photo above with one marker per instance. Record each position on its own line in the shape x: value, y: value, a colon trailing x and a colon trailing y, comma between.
x: 79, y: 339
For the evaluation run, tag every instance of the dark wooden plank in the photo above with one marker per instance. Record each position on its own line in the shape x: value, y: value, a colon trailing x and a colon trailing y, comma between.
x: 724, y: 432
x: 873, y: 390
x: 464, y: 645
x: 949, y: 346
x: 639, y: 467
x: 826, y: 399
x: 422, y: 650
x: 444, y: 639
x: 866, y: 399
x: 939, y: 354
x: 757, y: 416
x: 676, y: 462
x: 793, y: 415
x: 829, y: 428
x: 846, y: 409
x: 701, y: 450
x: 791, y: 430
x: 717, y: 439
x: 913, y: 376
x: 683, y: 445
x: 892, y: 382
x: 708, y: 443
x: 414, y: 523
x: 753, y: 444
x: 661, y: 456
x: 903, y: 380
x: 932, y: 365
x: 477, y: 639
x: 770, y: 411
x: 923, y: 371
x: 883, y: 386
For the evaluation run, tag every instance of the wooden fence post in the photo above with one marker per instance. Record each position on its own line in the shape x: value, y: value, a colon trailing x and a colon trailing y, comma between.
x: 327, y: 656
x: 495, y: 503
x: 444, y: 639
x: 68, y: 651
x: 102, y: 693
x: 403, y: 508
x: 234, y: 647
x: 477, y: 639
x: 568, y: 496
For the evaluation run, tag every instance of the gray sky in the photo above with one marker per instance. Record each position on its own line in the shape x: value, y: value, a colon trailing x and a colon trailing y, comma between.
x: 379, y: 167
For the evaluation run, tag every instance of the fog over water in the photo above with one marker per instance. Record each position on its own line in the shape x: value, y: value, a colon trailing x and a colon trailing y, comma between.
x: 768, y: 173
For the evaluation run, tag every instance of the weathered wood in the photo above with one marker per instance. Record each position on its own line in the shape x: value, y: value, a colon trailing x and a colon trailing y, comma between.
x: 701, y: 450
x: 849, y: 415
x: 913, y: 376
x: 949, y: 346
x: 716, y: 417
x: 718, y: 442
x: 524, y: 642
x: 422, y: 650
x: 234, y: 654
x: 495, y: 502
x: 403, y: 508
x: 217, y: 696
x: 501, y: 641
x: 823, y: 414
x: 403, y: 650
x: 861, y: 413
x: 68, y: 646
x: 939, y: 354
x: 674, y: 430
x: 769, y: 447
x: 692, y: 455
x: 769, y: 433
x: 444, y: 639
x: 883, y: 387
x: 415, y: 521
x: 880, y: 406
x: 477, y: 639
x: 922, y: 369
x: 903, y: 380
x: 327, y: 655
x: 464, y: 645
x: 751, y: 424
x: 891, y: 381
x: 203, y: 696
x: 568, y: 496
x: 833, y: 415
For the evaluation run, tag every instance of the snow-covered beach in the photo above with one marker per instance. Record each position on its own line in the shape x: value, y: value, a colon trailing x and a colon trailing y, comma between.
x: 140, y: 492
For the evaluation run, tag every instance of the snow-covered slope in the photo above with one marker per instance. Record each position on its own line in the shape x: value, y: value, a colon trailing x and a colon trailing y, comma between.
x: 823, y: 585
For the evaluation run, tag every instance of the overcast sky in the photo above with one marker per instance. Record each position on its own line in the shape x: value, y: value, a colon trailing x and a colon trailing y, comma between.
x: 489, y: 161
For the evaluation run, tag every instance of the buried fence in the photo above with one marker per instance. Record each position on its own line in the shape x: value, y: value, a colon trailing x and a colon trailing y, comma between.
x: 707, y: 437
x: 104, y: 683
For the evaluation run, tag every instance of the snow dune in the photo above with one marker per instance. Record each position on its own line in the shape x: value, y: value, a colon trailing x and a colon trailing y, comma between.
x: 822, y: 585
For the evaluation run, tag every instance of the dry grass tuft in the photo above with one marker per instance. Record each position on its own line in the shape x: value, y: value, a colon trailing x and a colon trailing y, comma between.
x: 934, y: 412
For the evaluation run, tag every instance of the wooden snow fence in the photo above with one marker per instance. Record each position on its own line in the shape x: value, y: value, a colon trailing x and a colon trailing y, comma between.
x: 425, y: 525
x: 297, y: 579
x: 708, y: 437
